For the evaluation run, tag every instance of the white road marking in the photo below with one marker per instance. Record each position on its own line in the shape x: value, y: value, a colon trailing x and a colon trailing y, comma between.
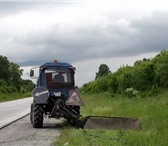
x: 13, y: 110
x: 14, y: 118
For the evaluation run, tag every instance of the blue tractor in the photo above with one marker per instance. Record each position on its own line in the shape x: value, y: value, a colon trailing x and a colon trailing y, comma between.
x: 55, y: 95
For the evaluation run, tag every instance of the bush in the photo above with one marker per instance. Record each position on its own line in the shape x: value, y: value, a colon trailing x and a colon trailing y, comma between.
x: 146, y: 75
x: 101, y: 85
x: 8, y: 89
x: 3, y: 90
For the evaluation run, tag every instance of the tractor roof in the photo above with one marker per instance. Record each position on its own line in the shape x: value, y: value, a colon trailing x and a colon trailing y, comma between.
x: 62, y: 65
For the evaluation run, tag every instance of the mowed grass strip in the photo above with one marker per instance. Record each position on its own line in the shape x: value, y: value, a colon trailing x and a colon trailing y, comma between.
x: 152, y: 111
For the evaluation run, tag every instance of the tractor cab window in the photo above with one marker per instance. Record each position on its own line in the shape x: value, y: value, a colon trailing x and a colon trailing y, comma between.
x: 55, y: 78
x: 62, y: 77
x: 58, y: 77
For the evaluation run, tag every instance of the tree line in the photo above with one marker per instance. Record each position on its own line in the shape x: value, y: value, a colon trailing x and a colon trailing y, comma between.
x: 144, y: 75
x: 10, y: 78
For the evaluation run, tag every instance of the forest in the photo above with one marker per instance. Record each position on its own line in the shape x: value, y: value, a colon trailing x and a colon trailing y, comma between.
x: 147, y: 75
x: 11, y: 81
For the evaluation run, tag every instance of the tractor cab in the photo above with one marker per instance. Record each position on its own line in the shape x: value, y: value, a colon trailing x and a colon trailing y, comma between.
x: 55, y: 73
x: 56, y: 77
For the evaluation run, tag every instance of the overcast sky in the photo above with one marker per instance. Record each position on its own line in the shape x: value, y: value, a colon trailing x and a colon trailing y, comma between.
x: 83, y: 33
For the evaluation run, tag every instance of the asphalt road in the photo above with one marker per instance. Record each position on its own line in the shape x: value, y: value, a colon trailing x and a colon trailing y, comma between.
x: 13, y: 110
x: 16, y: 129
x: 21, y: 133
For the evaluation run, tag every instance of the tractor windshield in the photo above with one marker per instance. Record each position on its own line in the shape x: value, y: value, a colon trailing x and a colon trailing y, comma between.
x: 59, y: 78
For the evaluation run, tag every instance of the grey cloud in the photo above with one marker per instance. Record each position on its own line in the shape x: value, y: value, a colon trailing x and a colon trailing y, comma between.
x: 148, y: 34
x: 152, y: 32
x: 12, y: 7
x: 9, y: 8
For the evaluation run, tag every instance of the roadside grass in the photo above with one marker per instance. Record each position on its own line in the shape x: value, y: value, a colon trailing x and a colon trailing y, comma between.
x: 152, y: 111
x: 13, y: 96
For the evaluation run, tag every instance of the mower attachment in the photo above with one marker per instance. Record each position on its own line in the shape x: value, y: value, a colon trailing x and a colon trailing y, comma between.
x: 112, y: 123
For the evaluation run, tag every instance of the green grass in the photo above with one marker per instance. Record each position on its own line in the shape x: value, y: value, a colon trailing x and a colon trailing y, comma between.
x: 13, y: 96
x: 152, y: 111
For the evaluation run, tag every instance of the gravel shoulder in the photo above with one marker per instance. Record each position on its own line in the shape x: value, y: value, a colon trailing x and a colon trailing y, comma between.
x: 21, y: 133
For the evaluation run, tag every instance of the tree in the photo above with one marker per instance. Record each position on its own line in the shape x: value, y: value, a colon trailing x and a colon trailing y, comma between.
x: 145, y: 75
x: 4, y: 67
x: 161, y: 68
x: 10, y: 78
x: 15, y: 75
x: 27, y: 86
x: 113, y: 83
x: 104, y: 70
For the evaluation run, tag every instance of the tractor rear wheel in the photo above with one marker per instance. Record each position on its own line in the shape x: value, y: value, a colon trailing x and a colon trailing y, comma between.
x: 38, y: 112
x: 31, y: 113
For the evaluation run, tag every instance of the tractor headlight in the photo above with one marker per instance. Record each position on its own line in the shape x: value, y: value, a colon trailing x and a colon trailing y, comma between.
x: 57, y: 94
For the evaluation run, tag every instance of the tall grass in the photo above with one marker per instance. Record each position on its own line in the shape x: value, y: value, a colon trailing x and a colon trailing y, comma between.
x: 152, y: 111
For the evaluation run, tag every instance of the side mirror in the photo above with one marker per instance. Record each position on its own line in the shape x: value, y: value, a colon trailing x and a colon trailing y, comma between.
x: 31, y: 73
x: 73, y: 68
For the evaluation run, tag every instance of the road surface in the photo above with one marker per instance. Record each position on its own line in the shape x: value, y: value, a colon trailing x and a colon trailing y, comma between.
x: 20, y: 132
x: 13, y: 110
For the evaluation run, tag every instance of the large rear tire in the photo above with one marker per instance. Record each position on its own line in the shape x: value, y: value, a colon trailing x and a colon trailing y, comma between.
x: 31, y: 113
x: 38, y: 116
